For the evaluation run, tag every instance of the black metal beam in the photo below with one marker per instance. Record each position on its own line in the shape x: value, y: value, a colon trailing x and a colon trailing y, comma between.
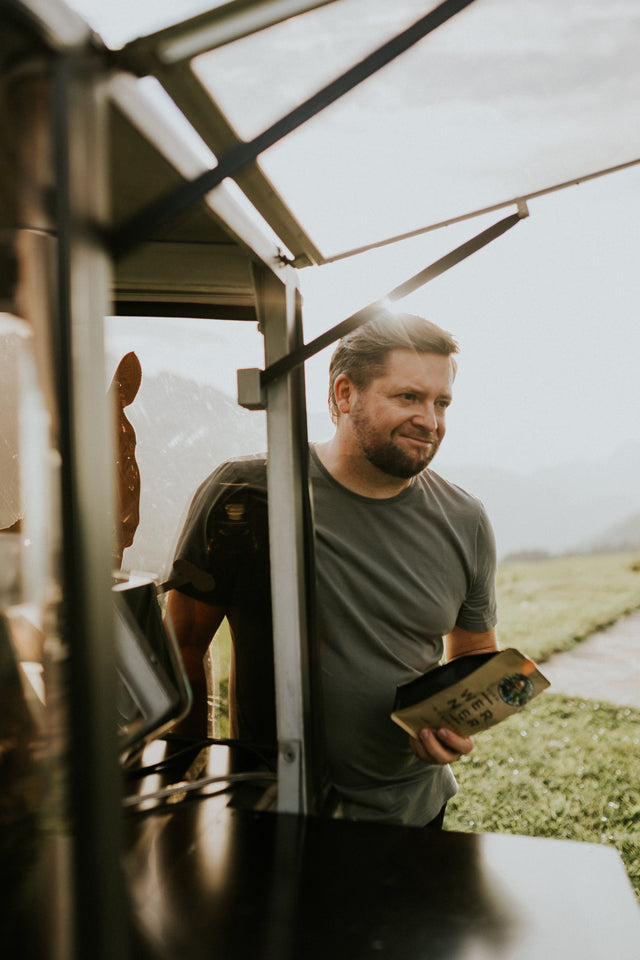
x: 184, y: 308
x: 139, y: 227
x: 296, y: 357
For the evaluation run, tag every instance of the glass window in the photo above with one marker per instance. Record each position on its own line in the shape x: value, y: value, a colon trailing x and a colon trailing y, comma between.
x: 180, y: 424
x: 29, y: 740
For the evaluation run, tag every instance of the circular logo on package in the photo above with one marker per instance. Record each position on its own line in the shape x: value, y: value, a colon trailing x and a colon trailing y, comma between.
x: 516, y: 689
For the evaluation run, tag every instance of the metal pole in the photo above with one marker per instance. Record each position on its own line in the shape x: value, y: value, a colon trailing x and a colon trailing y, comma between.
x: 87, y: 468
x: 277, y: 305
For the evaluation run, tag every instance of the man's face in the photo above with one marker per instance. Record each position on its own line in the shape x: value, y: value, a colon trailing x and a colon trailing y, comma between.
x: 399, y: 418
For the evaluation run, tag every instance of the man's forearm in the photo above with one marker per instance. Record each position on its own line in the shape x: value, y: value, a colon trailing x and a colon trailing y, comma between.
x: 194, y: 624
x: 195, y: 722
x: 460, y: 643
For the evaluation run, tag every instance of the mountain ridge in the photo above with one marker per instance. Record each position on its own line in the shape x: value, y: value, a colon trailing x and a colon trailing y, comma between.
x: 186, y: 428
x: 576, y: 506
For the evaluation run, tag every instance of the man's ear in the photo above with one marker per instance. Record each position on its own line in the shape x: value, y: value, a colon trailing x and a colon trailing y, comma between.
x: 343, y: 389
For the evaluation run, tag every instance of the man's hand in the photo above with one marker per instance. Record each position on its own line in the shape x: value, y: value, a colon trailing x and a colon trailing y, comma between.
x: 440, y: 746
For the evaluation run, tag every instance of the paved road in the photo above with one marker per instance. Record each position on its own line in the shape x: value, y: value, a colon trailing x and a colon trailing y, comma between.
x: 604, y: 667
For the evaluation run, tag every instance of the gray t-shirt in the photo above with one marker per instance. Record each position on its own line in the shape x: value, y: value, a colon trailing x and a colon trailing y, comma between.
x: 394, y: 576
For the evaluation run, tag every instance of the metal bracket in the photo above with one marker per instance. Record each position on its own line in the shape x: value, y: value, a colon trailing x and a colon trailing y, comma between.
x: 250, y: 391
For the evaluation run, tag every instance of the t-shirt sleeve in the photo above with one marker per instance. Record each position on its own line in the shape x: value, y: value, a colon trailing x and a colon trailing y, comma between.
x: 479, y: 610
x: 224, y: 536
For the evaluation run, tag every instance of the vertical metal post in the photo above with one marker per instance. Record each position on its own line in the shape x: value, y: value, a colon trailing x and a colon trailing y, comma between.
x: 86, y: 446
x: 277, y: 305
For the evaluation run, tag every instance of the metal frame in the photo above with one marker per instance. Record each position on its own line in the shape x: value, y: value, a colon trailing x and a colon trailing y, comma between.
x: 278, y: 309
x: 82, y: 90
x: 520, y: 202
x: 219, y: 135
x: 126, y: 94
x: 305, y: 351
x: 87, y: 495
x: 166, y: 55
x: 279, y: 314
x: 239, y: 155
x: 63, y: 292
x: 274, y: 291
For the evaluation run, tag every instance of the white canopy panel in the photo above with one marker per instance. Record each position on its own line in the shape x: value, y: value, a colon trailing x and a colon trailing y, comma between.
x: 503, y: 101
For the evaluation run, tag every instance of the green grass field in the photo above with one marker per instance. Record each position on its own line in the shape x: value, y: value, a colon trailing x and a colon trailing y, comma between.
x: 549, y: 606
x: 560, y: 768
x: 563, y: 767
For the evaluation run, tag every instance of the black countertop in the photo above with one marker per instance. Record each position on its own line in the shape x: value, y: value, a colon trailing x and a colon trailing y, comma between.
x: 207, y: 879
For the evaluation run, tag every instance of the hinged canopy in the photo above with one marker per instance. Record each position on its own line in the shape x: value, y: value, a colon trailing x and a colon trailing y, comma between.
x: 474, y: 105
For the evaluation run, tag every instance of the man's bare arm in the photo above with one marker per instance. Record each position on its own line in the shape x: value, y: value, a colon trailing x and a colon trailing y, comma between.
x: 194, y: 624
x: 460, y: 642
x: 445, y: 746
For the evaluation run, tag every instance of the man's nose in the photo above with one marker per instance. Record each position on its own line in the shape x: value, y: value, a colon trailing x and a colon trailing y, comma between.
x: 426, y: 417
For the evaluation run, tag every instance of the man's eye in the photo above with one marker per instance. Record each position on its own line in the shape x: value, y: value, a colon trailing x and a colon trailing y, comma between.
x: 408, y: 396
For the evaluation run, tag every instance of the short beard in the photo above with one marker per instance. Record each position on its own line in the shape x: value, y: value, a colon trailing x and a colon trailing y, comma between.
x: 386, y: 455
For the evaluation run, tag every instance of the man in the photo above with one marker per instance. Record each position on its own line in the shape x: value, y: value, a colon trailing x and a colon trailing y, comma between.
x: 405, y: 570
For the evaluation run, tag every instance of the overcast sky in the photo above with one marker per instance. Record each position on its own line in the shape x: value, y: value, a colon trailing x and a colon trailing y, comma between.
x: 546, y: 316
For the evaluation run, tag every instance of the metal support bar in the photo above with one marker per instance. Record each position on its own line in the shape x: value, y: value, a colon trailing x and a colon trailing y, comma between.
x: 141, y: 226
x: 278, y: 311
x: 296, y: 357
x: 473, y: 214
x: 87, y: 475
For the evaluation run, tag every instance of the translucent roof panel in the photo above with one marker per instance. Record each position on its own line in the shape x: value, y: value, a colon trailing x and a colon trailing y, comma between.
x: 502, y: 101
x: 295, y: 58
